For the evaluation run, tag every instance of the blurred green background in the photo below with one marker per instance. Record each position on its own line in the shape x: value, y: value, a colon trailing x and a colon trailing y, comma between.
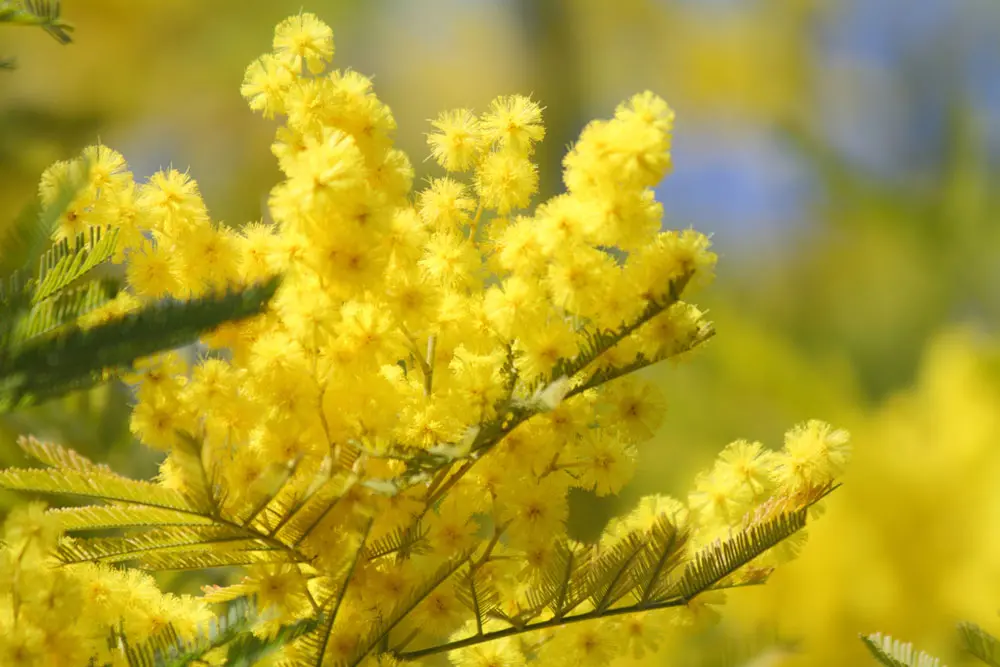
x: 842, y: 153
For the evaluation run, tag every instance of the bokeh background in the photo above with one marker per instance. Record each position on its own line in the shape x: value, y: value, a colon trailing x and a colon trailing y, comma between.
x: 843, y: 153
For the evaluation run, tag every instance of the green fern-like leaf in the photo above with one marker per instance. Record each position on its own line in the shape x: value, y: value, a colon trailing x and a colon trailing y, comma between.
x: 172, y: 539
x: 555, y: 582
x: 477, y: 593
x: 311, y: 647
x: 202, y: 560
x: 57, y: 456
x: 664, y: 552
x: 45, y: 14
x: 232, y: 630
x: 403, y: 542
x: 248, y: 649
x: 381, y: 631
x: 641, y: 565
x: 299, y: 523
x: 894, y: 653
x: 634, y: 567
x: 26, y: 237
x: 65, y: 307
x: 168, y: 649
x: 80, y: 358
x: 104, y: 517
x: 157, y: 326
x: 980, y: 643
x: 64, y: 264
x: 614, y: 575
x: 713, y: 564
x: 200, y: 483
x: 100, y: 486
x: 23, y: 243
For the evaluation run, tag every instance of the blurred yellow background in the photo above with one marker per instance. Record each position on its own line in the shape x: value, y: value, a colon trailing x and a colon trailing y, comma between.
x: 842, y: 154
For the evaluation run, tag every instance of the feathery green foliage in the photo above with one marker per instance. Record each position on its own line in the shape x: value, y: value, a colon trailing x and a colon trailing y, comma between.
x: 170, y: 530
x: 894, y: 653
x: 62, y: 265
x: 24, y: 244
x: 403, y: 541
x: 712, y: 565
x: 639, y: 567
x: 233, y: 629
x: 57, y: 456
x: 79, y: 358
x: 380, y: 633
x: 26, y: 238
x: 109, y: 488
x: 980, y: 643
x: 65, y: 307
x: 45, y: 14
x: 102, y: 517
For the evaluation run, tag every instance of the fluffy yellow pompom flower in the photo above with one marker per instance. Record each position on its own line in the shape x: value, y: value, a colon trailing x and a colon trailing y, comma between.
x: 173, y: 203
x: 542, y: 344
x: 29, y: 527
x: 329, y: 168
x: 718, y: 499
x: 108, y: 170
x: 304, y: 38
x: 533, y: 511
x: 266, y: 82
x: 97, y: 180
x: 637, y: 408
x: 606, y: 464
x: 514, y: 123
x: 749, y: 464
x: 814, y: 454
x: 459, y: 140
x: 151, y: 271
x: 505, y: 181
x: 445, y: 205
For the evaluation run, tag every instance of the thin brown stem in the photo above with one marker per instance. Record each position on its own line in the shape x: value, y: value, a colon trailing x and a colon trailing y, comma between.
x: 429, y: 365
x: 474, y: 226
x: 448, y: 484
x: 483, y: 559
x: 540, y: 625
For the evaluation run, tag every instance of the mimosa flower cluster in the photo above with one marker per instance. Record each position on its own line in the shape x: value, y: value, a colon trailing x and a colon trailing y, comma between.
x: 388, y: 450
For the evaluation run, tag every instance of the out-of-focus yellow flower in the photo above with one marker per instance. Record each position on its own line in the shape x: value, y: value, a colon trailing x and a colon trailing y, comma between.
x: 906, y: 546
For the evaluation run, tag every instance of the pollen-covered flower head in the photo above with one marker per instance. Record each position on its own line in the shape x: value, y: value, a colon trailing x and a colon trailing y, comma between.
x: 29, y: 527
x: 458, y: 141
x: 506, y: 181
x: 304, y: 38
x: 266, y: 83
x: 514, y: 123
x: 814, y: 454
